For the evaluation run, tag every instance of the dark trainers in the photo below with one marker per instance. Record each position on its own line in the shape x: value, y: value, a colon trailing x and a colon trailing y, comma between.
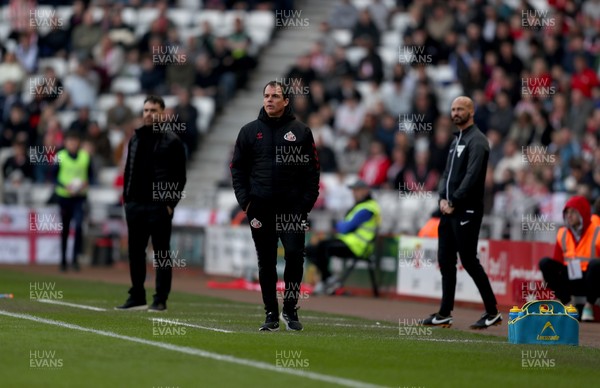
x: 487, y: 320
x: 271, y: 322
x: 290, y: 318
x: 438, y: 320
x: 158, y: 306
x: 132, y: 304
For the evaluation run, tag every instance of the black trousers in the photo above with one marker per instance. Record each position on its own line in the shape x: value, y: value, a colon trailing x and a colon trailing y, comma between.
x: 270, y: 223
x: 145, y: 221
x: 458, y: 233
x: 71, y: 209
x: 321, y: 253
x: 557, y: 277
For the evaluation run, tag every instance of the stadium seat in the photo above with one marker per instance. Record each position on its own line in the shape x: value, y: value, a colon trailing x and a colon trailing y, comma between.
x: 186, y: 33
x: 126, y: 85
x: 41, y: 194
x: 190, y: 5
x: 107, y: 176
x: 214, y: 17
x: 64, y: 14
x: 225, y: 199
x: 66, y: 117
x: 260, y: 19
x: 115, y: 136
x: 400, y: 21
x: 147, y: 15
x: 229, y: 18
x: 170, y: 101
x: 363, y: 87
x: 60, y: 65
x: 441, y: 75
x: 100, y: 117
x: 360, y: 4
x: 182, y: 18
x: 391, y: 39
x: 4, y: 14
x: 98, y: 13
x: 103, y: 195
x: 260, y: 25
x: 5, y: 29
x: 106, y: 101
x: 447, y: 94
x: 389, y: 56
x: 369, y: 257
x: 342, y: 37
x: 141, y: 29
x: 206, y: 110
x: 260, y: 36
x: 135, y: 103
x: 129, y: 16
x: 355, y: 54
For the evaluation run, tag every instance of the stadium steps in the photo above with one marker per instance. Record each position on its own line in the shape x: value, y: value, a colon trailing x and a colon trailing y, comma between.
x: 210, y: 164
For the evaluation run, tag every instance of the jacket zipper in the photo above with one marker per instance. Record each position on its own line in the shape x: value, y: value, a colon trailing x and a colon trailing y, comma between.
x: 451, y: 166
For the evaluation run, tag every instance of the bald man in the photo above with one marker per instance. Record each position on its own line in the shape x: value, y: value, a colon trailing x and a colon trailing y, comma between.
x: 461, y: 204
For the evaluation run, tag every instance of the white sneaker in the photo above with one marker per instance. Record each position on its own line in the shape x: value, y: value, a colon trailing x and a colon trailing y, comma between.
x: 332, y: 285
x: 587, y: 315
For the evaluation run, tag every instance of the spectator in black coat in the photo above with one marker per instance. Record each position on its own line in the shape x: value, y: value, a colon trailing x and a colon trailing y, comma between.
x: 365, y: 30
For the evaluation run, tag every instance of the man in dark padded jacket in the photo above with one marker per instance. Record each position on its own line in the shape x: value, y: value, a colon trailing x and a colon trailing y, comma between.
x: 275, y: 173
x: 153, y: 185
x: 461, y: 204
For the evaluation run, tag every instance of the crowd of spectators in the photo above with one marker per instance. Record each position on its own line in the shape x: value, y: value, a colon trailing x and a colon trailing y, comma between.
x: 533, y: 74
x: 100, y: 48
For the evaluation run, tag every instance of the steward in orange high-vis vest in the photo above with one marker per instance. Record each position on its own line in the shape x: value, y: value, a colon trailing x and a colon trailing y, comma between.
x: 575, y: 268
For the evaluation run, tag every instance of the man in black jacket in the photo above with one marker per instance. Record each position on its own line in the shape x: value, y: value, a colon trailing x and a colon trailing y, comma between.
x: 153, y: 185
x: 461, y: 203
x: 275, y: 172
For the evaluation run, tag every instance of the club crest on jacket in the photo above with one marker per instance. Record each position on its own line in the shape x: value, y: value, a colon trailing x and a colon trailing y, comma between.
x: 289, y: 136
x: 255, y: 223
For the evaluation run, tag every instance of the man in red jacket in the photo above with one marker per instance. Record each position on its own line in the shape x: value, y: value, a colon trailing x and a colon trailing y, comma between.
x: 575, y: 267
x: 584, y: 78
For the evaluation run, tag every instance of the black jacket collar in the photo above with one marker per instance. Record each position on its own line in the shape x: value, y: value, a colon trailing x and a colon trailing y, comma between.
x: 276, y: 121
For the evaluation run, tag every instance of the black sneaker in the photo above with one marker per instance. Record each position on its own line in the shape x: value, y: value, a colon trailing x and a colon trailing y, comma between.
x: 290, y: 318
x: 487, y: 320
x: 132, y: 304
x: 158, y: 307
x: 271, y: 322
x: 438, y: 320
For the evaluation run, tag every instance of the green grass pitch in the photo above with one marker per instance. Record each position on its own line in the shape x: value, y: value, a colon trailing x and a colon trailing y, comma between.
x: 208, y: 342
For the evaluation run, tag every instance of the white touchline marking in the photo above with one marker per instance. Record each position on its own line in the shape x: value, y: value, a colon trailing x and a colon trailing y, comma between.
x: 199, y: 352
x: 87, y: 307
x: 355, y: 325
x: 455, y: 340
x: 189, y: 325
x: 79, y: 306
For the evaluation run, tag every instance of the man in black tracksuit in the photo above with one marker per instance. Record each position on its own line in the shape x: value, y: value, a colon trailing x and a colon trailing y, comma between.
x: 153, y: 185
x: 461, y: 203
x: 275, y: 173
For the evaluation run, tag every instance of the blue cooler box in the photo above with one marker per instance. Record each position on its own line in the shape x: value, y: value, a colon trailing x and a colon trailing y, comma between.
x: 545, y: 322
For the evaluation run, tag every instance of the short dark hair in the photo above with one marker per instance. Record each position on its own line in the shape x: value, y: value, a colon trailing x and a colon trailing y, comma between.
x: 155, y: 100
x: 73, y: 134
x: 275, y: 84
